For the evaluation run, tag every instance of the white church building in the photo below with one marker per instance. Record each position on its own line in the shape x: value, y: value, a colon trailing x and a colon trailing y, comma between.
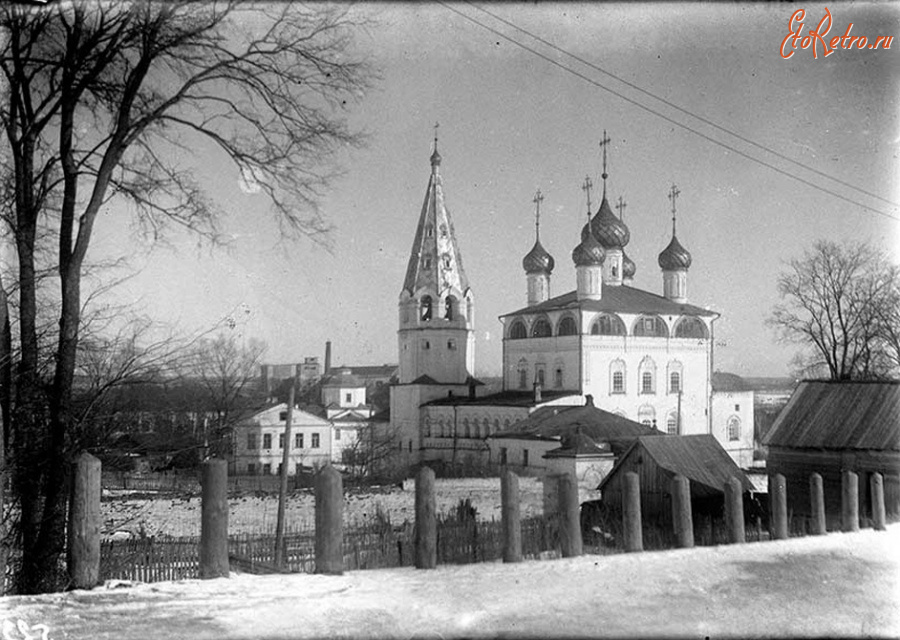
x: 643, y: 355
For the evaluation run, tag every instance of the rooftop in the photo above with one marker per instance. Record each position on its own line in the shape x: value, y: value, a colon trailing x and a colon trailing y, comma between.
x: 618, y: 299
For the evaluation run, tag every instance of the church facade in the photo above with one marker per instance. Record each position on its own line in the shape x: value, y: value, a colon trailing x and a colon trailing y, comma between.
x: 641, y: 355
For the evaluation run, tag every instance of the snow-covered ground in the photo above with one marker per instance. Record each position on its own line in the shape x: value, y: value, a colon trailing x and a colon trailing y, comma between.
x: 258, y: 514
x: 840, y: 585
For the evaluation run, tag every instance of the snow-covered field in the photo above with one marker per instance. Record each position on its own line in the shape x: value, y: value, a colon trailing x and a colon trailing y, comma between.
x: 840, y: 585
x: 258, y: 514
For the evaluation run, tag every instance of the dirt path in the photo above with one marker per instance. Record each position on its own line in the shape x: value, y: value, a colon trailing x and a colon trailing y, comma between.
x: 840, y: 585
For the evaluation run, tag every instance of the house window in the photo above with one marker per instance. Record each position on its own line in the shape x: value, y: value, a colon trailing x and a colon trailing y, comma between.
x: 451, y: 345
x: 672, y: 424
x: 737, y: 407
x: 618, y: 382
x: 267, y: 469
x: 525, y: 458
x: 251, y: 469
x: 539, y: 376
x: 558, y: 379
x: 541, y: 329
x: 281, y: 441
x: 502, y: 455
x: 646, y: 382
x: 337, y: 434
x: 282, y: 416
x: 298, y: 440
x: 348, y: 397
x: 426, y: 344
x: 251, y: 441
x: 734, y: 428
x: 466, y: 432
x: 523, y: 379
x: 675, y: 382
x: 267, y: 441
x: 518, y: 330
x: 315, y: 441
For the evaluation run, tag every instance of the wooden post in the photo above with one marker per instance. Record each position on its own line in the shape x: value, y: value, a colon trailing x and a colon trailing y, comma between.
x: 569, y: 517
x: 734, y: 511
x: 283, y: 486
x: 849, y: 501
x: 214, y: 519
x: 817, y: 504
x: 329, y: 521
x: 84, y: 524
x: 778, y: 500
x: 681, y: 512
x: 631, y: 513
x: 426, y: 520
x: 509, y: 510
x: 878, y: 514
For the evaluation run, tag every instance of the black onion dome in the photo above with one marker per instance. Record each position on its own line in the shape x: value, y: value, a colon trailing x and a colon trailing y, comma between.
x: 609, y: 229
x: 628, y: 266
x: 674, y: 257
x: 538, y: 260
x: 589, y: 252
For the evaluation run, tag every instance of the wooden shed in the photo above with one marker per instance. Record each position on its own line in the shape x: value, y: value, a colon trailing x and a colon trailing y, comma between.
x: 700, y: 458
x: 829, y: 427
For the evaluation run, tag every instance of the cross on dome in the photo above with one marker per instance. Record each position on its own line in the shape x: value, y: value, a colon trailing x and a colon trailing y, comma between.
x: 673, y: 196
x: 620, y: 205
x: 586, y: 187
x: 538, y: 199
x: 603, y: 144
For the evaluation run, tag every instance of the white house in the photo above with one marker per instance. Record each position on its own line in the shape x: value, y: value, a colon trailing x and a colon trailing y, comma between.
x: 259, y: 442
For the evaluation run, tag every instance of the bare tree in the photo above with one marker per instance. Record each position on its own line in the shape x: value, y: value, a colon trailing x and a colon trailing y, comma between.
x: 840, y: 303
x: 104, y: 103
x: 229, y: 373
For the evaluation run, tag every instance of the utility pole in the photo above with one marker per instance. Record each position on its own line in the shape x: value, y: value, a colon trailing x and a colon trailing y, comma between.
x: 282, y: 492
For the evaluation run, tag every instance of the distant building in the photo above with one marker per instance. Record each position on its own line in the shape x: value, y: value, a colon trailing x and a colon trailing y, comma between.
x: 259, y: 442
x: 829, y: 427
x: 273, y: 375
x: 733, y: 417
x: 344, y: 398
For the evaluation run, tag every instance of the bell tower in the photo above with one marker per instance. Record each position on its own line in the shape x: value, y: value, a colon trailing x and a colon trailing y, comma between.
x: 436, y: 335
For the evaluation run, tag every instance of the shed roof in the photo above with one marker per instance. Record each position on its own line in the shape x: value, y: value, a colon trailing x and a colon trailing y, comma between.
x: 839, y: 415
x: 699, y: 458
x: 559, y: 421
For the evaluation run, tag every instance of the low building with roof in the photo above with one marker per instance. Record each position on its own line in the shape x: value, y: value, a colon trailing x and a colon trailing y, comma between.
x: 259, y: 442
x: 828, y: 427
x: 700, y: 458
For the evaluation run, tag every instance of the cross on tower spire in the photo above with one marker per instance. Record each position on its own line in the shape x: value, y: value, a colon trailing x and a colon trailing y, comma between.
x: 436, y: 125
x: 538, y: 199
x: 586, y: 187
x: 620, y: 205
x: 603, y: 144
x: 673, y: 195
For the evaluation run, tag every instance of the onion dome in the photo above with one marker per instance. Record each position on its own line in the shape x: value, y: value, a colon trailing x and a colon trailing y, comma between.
x: 628, y: 266
x: 674, y: 257
x: 589, y: 252
x: 609, y: 229
x: 538, y: 260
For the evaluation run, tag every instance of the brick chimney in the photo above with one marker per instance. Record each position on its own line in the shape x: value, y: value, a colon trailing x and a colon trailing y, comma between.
x: 327, y: 357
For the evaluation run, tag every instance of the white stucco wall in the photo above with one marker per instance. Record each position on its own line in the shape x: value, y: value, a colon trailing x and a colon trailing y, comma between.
x: 270, y: 423
x: 734, y: 404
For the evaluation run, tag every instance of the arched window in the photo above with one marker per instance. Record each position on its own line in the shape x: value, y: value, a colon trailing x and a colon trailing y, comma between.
x: 425, y: 308
x: 653, y: 326
x: 541, y: 329
x: 522, y: 369
x: 672, y: 424
x: 647, y: 415
x: 466, y: 430
x: 734, y: 428
x: 449, y: 308
x: 486, y: 429
x: 647, y: 375
x: 539, y: 374
x: 691, y: 328
x: 567, y: 327
x: 518, y: 330
x: 426, y: 428
x: 496, y: 426
x: 617, y: 376
x: 558, y: 378
x: 608, y: 325
x: 675, y: 382
x: 506, y: 424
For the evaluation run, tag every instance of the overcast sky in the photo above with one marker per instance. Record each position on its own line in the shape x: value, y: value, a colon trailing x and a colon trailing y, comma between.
x: 512, y: 121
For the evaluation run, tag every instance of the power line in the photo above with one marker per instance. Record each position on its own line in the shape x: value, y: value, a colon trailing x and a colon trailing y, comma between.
x: 685, y: 111
x: 669, y: 119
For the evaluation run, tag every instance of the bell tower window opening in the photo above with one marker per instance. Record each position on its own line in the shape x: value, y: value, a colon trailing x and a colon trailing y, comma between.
x: 429, y: 231
x: 449, y: 308
x: 425, y: 308
x: 426, y: 263
x: 443, y: 231
x: 446, y: 260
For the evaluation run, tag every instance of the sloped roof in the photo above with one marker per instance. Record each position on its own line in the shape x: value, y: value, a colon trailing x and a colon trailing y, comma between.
x: 343, y: 378
x: 618, y: 299
x: 370, y: 371
x: 554, y: 422
x: 503, y: 399
x: 722, y: 381
x: 699, y: 458
x: 578, y: 444
x: 840, y: 415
